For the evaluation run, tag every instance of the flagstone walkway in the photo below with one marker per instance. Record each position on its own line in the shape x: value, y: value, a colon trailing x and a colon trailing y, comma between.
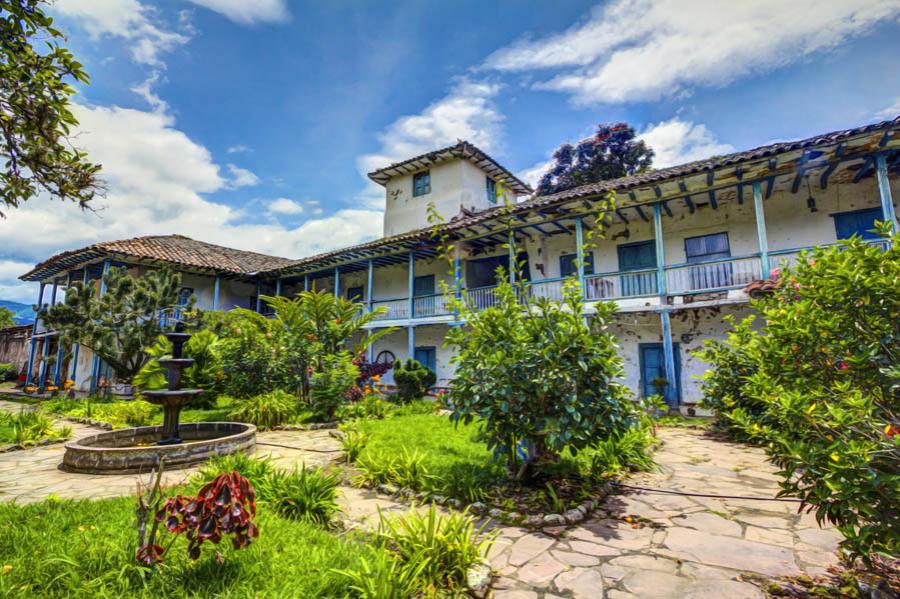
x: 641, y: 544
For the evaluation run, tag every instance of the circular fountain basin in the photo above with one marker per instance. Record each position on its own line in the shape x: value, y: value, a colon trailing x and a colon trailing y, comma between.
x: 134, y: 450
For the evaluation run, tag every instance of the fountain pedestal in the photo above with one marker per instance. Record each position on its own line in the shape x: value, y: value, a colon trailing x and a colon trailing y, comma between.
x: 173, y: 398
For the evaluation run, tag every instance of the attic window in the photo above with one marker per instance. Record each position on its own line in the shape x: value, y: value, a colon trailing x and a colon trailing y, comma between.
x: 491, y: 188
x: 421, y: 183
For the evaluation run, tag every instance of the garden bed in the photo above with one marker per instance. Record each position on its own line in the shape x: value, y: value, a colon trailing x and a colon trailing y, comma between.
x: 424, y: 457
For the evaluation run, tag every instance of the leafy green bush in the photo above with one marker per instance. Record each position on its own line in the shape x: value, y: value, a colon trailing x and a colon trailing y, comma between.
x: 384, y: 576
x: 132, y: 412
x: 352, y: 443
x: 372, y: 405
x: 253, y: 469
x: 8, y: 373
x: 447, y: 546
x: 543, y: 379
x: 629, y: 451
x: 309, y: 495
x: 329, y: 386
x: 29, y: 426
x: 412, y: 380
x: 820, y: 390
x: 266, y: 410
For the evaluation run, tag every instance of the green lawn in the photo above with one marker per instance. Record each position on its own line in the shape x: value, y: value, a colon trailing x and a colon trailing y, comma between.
x: 86, y: 549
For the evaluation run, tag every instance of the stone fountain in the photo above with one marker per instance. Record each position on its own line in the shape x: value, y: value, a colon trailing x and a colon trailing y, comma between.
x: 140, y: 449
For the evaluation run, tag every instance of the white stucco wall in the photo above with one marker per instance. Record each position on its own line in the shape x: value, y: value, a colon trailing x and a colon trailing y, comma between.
x: 454, y: 184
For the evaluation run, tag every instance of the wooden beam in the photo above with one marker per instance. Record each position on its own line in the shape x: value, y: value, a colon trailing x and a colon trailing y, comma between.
x: 665, y: 206
x: 643, y: 216
x: 838, y: 154
x: 884, y: 139
x: 682, y: 186
x: 712, y: 200
x: 740, y: 193
x: 621, y: 215
x: 798, y: 178
x: 770, y: 185
x: 657, y: 191
x: 870, y: 161
x: 710, y: 177
x: 690, y: 203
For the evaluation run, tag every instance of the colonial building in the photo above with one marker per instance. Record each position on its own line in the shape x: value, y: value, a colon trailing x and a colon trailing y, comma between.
x: 677, y: 253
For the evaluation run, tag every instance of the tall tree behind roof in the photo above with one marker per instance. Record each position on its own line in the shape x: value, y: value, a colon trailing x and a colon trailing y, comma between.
x: 35, y: 115
x: 611, y: 153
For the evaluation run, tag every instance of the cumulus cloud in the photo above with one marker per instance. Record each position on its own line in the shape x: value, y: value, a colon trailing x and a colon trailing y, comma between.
x: 631, y: 50
x: 241, y: 177
x: 239, y: 149
x: 284, y: 206
x: 676, y: 142
x: 889, y: 113
x: 247, y: 12
x: 158, y: 182
x: 532, y: 175
x: 127, y: 19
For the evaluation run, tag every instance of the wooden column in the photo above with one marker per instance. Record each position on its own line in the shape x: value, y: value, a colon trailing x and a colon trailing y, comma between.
x: 669, y: 355
x: 34, y: 329
x: 216, y: 287
x: 579, y: 252
x: 370, y: 279
x: 660, y: 252
x: 410, y: 300
x: 884, y: 191
x: 765, y: 267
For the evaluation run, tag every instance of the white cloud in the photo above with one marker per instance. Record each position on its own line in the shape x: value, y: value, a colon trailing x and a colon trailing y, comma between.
x: 241, y: 177
x: 533, y: 174
x: 284, y: 206
x: 11, y: 288
x: 889, y: 113
x: 239, y: 149
x: 677, y: 142
x: 128, y: 19
x: 647, y: 49
x: 157, y: 178
x: 145, y: 90
x: 247, y: 12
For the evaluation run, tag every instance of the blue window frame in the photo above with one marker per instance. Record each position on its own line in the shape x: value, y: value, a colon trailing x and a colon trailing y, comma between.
x: 355, y: 294
x: 491, y: 189
x: 421, y: 183
x: 857, y: 222
x: 427, y: 357
x: 423, y: 285
x: 568, y: 267
x: 640, y: 255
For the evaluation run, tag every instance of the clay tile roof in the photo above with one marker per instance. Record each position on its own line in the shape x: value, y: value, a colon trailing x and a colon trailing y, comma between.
x: 174, y: 250
x: 463, y: 150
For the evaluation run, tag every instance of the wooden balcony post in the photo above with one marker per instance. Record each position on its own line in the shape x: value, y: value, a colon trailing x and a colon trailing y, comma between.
x: 884, y: 191
x: 34, y: 328
x: 410, y: 306
x: 660, y: 252
x: 369, y: 286
x: 765, y: 268
x: 216, y: 287
x: 579, y: 253
x: 669, y: 356
x: 337, y: 281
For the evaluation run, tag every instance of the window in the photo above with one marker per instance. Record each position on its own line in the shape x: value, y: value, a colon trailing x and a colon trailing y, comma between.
x: 482, y: 272
x: 423, y: 285
x: 707, y: 247
x: 636, y: 256
x: 421, y: 184
x: 355, y: 294
x: 491, y: 188
x: 184, y: 295
x: 704, y: 248
x: 426, y: 356
x: 567, y: 266
x: 857, y: 222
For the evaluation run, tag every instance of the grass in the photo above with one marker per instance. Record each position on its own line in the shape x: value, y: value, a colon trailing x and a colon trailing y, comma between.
x: 86, y: 549
x: 29, y: 426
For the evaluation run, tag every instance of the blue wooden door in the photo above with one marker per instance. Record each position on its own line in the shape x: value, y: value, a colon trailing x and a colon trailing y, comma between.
x: 427, y: 357
x: 637, y: 256
x: 653, y: 365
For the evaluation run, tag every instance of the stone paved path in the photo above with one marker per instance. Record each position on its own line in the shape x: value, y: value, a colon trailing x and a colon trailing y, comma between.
x: 641, y: 544
x: 673, y: 545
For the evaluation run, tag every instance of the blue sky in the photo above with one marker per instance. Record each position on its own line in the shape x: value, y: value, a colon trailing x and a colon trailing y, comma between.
x: 251, y: 124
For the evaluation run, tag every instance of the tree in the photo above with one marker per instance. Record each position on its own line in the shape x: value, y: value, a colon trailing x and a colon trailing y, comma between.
x: 611, y: 153
x: 819, y: 387
x: 35, y: 118
x: 6, y: 318
x: 119, y: 324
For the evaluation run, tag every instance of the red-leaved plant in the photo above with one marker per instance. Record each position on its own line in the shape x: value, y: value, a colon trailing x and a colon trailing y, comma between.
x: 224, y: 506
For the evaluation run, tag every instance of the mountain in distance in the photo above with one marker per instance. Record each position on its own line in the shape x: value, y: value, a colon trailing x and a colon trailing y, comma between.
x: 22, y: 313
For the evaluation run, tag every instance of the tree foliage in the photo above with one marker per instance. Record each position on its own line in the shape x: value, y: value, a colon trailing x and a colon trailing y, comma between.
x: 7, y: 318
x: 818, y: 385
x: 35, y: 116
x: 119, y: 324
x: 611, y: 153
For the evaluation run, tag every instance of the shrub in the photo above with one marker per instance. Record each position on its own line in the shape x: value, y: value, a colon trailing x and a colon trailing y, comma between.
x: 622, y: 452
x: 206, y: 372
x: 543, y: 379
x: 266, y: 410
x: 445, y: 547
x: 353, y: 443
x: 132, y: 412
x: 820, y: 391
x: 309, y: 495
x: 8, y: 373
x: 412, y: 380
x: 329, y: 387
x: 371, y: 405
x: 384, y: 576
x: 253, y: 469
x: 30, y: 426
